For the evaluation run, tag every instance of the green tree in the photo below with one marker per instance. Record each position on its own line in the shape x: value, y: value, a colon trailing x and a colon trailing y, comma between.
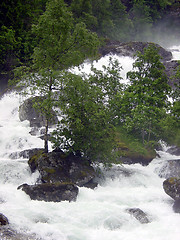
x: 82, y: 12
x: 87, y: 120
x: 142, y: 20
x: 17, y: 17
x: 145, y: 101
x: 61, y: 44
x: 122, y: 25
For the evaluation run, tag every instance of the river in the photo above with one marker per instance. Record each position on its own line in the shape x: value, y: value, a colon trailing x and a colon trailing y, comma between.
x: 99, y: 214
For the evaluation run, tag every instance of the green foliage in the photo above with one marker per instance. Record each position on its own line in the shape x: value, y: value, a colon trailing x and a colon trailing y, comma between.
x: 142, y: 20
x: 16, y: 40
x: 8, y: 45
x: 60, y: 43
x: 147, y: 96
x: 130, y: 146
x: 85, y: 125
x: 171, y: 124
x: 86, y: 110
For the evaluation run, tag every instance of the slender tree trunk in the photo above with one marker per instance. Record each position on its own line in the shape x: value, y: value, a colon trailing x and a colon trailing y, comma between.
x: 143, y: 136
x: 48, y: 115
x: 46, y: 137
x: 149, y: 135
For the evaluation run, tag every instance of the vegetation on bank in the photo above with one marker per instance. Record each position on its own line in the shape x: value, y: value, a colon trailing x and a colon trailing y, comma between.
x: 114, y: 19
x: 100, y: 117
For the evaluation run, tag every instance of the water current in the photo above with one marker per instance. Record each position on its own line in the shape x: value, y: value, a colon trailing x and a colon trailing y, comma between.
x: 99, y: 214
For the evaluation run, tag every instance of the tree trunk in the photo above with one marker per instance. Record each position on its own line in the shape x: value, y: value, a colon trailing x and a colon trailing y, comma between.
x: 46, y: 137
x: 149, y: 135
x: 143, y: 136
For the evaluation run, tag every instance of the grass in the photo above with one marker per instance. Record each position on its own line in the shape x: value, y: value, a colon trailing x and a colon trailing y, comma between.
x: 130, y: 146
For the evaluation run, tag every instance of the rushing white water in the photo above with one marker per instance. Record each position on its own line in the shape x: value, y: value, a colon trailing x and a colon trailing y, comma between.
x: 175, y: 52
x: 98, y: 214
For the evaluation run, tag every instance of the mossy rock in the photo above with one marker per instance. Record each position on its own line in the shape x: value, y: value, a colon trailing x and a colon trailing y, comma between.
x: 51, y: 192
x: 59, y: 167
x: 172, y: 187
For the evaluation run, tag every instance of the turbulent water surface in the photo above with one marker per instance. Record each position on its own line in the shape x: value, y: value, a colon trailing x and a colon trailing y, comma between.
x: 99, y: 214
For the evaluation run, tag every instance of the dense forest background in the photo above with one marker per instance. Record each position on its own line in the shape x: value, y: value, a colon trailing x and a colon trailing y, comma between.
x: 144, y: 20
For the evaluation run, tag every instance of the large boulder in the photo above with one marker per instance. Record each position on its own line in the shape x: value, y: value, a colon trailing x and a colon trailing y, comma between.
x: 3, y: 220
x: 174, y: 150
x: 140, y: 215
x: 170, y: 168
x: 27, y: 111
x: 176, y: 206
x: 172, y: 187
x: 51, y: 192
x: 58, y: 167
x: 7, y: 233
x: 131, y: 48
x: 28, y: 153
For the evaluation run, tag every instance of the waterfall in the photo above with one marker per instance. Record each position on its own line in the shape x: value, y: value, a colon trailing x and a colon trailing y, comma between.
x: 99, y: 214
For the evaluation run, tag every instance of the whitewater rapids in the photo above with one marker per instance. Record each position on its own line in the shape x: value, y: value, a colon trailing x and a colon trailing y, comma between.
x: 98, y: 214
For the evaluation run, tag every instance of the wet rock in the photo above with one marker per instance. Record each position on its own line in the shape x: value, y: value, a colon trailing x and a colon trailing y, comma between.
x: 176, y: 206
x: 131, y: 48
x: 170, y: 168
x: 137, y: 159
x: 174, y: 150
x: 56, y: 167
x: 7, y: 233
x: 27, y: 111
x: 3, y: 220
x: 28, y: 153
x: 50, y: 192
x: 171, y: 187
x: 138, y: 214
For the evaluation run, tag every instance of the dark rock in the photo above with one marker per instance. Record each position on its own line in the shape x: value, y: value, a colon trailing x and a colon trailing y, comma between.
x: 28, y: 153
x: 3, y: 220
x: 176, y: 206
x: 170, y: 168
x: 51, y: 192
x: 131, y: 48
x: 56, y: 167
x: 137, y: 159
x: 172, y: 187
x: 7, y: 233
x: 27, y: 111
x: 139, y: 215
x: 174, y: 150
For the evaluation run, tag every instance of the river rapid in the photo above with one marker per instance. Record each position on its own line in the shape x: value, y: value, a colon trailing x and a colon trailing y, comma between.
x: 99, y: 214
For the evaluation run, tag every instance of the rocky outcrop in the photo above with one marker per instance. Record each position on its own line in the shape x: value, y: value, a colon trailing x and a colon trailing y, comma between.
x: 130, y: 49
x: 28, y: 153
x: 139, y: 215
x: 60, y: 176
x: 3, y: 220
x: 51, y: 192
x: 137, y: 159
x: 58, y: 167
x: 27, y: 111
x: 7, y: 233
x: 176, y: 206
x: 170, y: 168
x: 172, y: 187
x: 174, y: 150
